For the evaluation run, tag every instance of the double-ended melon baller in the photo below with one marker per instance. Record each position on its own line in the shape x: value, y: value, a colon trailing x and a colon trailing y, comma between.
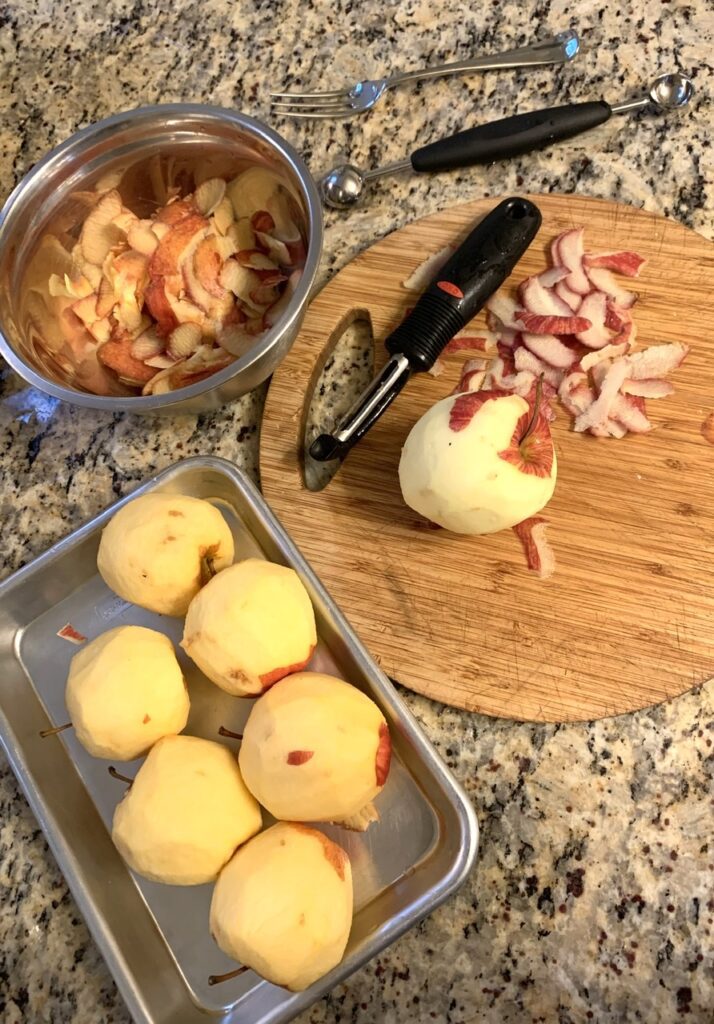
x: 344, y: 186
x: 455, y: 295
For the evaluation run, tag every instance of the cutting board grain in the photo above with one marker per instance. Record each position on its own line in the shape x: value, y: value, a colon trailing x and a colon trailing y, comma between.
x: 628, y: 618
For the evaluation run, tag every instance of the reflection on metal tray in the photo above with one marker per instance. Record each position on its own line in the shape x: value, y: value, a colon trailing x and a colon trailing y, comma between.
x: 155, y: 938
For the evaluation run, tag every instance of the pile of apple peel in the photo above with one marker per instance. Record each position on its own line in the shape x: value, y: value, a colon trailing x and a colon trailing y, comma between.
x: 572, y: 327
x: 164, y: 302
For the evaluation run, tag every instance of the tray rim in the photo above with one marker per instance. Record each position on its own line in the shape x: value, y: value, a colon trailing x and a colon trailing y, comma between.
x: 62, y: 849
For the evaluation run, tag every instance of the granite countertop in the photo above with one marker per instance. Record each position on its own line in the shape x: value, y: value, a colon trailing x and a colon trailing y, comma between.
x: 592, y: 897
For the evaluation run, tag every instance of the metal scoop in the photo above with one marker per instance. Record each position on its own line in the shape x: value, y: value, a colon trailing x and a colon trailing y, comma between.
x: 498, y: 140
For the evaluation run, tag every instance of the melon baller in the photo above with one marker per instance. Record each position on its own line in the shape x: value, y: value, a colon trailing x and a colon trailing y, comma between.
x: 457, y: 292
x: 344, y: 186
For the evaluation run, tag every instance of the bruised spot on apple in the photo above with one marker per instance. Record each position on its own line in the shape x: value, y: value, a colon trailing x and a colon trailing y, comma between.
x: 298, y: 757
x: 236, y: 674
x: 479, y: 462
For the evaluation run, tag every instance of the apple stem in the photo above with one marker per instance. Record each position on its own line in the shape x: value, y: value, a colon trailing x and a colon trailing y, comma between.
x: 227, y: 732
x: 208, y: 570
x: 44, y: 733
x: 536, y: 409
x: 118, y: 775
x: 216, y: 979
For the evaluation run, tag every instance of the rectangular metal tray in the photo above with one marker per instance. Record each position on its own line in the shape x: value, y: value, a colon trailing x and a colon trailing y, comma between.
x: 155, y: 938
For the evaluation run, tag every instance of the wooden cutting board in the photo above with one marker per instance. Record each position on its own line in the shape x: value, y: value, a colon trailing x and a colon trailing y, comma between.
x: 627, y: 620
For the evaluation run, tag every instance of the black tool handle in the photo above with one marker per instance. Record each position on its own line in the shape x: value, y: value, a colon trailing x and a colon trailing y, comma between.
x: 510, y: 136
x: 458, y: 291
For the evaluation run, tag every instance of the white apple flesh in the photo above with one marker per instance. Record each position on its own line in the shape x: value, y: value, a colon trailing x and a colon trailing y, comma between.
x: 478, y: 462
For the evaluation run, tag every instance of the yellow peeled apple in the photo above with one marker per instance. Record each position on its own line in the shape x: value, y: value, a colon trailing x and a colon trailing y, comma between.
x: 250, y: 626
x: 185, y: 813
x: 152, y: 549
x: 283, y: 905
x: 478, y: 462
x: 125, y: 690
x: 315, y: 749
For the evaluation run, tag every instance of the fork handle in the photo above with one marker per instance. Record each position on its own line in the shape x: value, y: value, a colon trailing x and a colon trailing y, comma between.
x: 561, y: 48
x: 510, y: 136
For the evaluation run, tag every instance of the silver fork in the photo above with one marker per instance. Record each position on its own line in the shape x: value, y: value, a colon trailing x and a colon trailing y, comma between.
x: 362, y: 96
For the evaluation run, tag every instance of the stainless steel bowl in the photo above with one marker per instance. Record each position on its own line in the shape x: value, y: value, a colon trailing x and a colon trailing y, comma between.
x: 193, y: 134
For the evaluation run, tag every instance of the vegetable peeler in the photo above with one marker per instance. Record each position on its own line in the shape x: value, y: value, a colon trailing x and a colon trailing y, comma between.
x: 458, y: 291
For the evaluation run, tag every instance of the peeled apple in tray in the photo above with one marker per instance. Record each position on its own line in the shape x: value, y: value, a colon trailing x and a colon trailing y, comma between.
x: 153, y: 550
x: 249, y: 626
x: 283, y: 905
x: 185, y: 812
x: 316, y: 749
x: 479, y: 462
x: 125, y: 690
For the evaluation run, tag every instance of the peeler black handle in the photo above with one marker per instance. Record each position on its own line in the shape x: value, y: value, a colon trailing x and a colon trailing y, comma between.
x: 476, y: 270
x: 478, y: 267
x: 510, y: 136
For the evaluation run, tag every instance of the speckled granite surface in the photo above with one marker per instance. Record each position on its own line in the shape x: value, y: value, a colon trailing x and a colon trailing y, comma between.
x: 593, y: 899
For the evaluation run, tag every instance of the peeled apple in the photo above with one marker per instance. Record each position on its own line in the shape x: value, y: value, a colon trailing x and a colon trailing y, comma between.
x: 251, y: 625
x: 151, y: 551
x: 185, y: 813
x: 283, y: 905
x: 315, y: 748
x: 472, y: 465
x: 125, y: 690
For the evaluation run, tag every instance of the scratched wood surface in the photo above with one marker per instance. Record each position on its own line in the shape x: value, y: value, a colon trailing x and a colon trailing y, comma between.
x: 628, y: 618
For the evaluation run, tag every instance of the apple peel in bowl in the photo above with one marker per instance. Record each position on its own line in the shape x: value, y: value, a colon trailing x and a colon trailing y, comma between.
x: 126, y: 275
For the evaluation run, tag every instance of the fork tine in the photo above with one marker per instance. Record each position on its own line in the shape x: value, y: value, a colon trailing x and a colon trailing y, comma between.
x: 308, y: 95
x: 317, y: 116
x: 312, y: 105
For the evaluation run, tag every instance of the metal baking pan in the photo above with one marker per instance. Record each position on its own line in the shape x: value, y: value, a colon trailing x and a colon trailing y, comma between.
x: 155, y: 938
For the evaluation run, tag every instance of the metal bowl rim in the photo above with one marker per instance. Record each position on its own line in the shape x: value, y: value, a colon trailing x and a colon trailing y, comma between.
x: 77, y: 141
